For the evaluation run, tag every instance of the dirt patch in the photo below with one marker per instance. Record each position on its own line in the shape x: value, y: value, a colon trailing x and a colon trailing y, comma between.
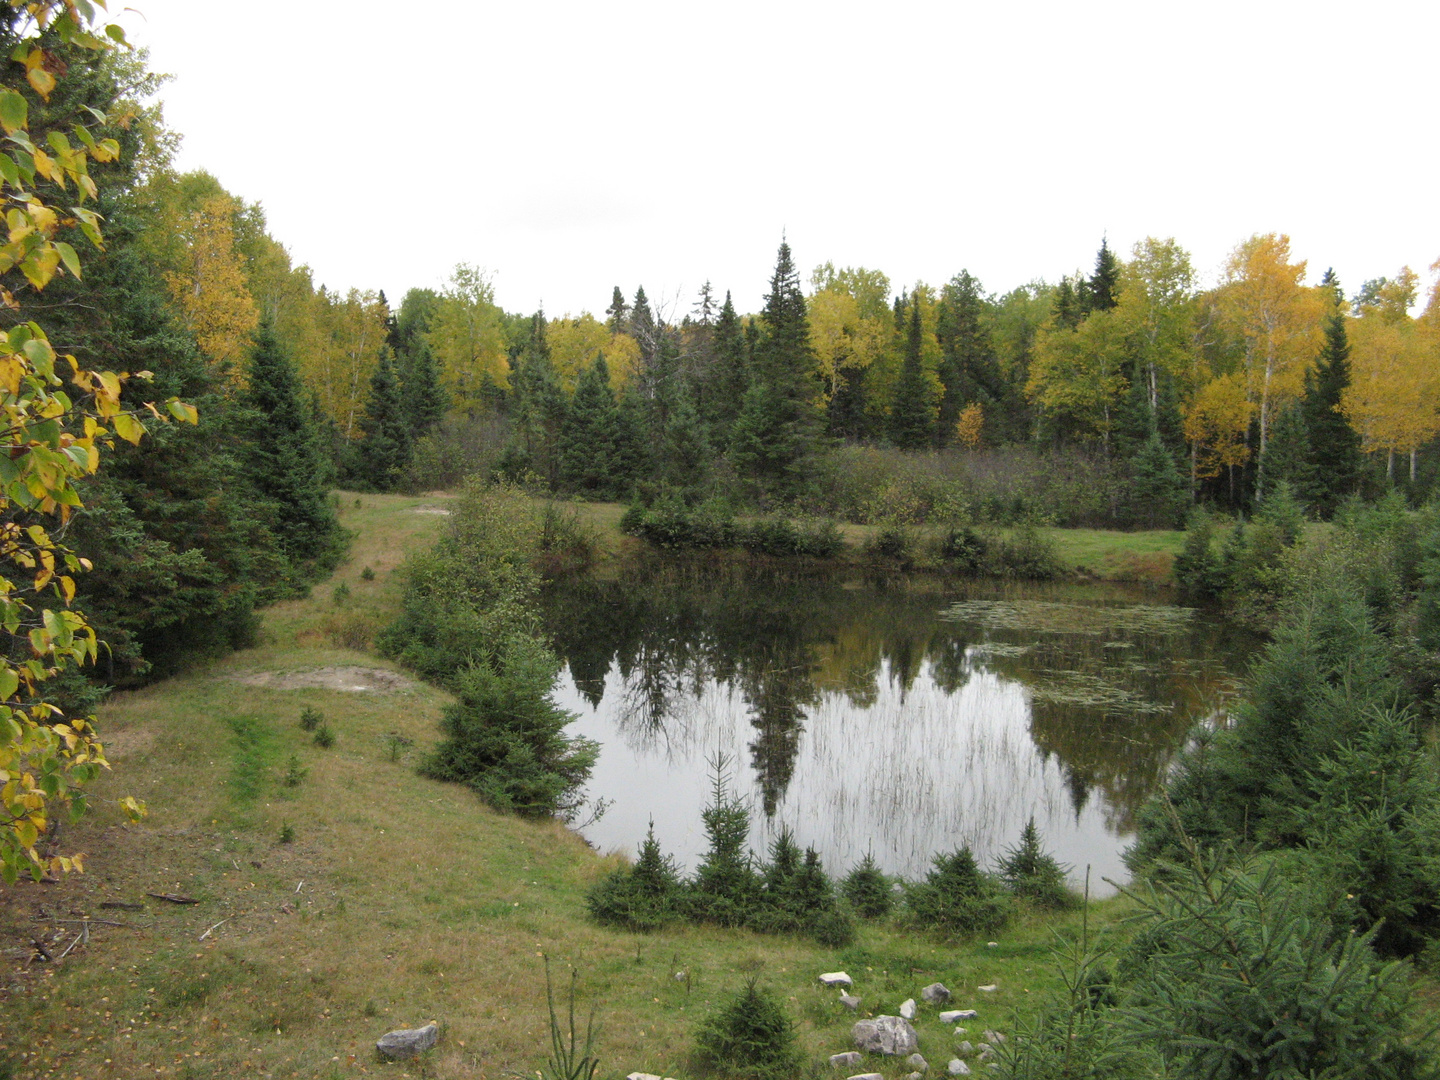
x: 352, y: 679
x: 430, y: 510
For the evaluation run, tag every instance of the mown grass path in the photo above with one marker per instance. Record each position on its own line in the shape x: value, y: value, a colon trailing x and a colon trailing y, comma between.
x: 399, y: 900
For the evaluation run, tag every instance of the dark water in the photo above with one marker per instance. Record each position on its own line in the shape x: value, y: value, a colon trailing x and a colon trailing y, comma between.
x: 902, y: 718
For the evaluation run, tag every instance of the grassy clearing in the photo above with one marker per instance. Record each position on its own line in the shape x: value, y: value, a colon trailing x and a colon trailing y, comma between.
x: 399, y: 900
x: 1101, y: 554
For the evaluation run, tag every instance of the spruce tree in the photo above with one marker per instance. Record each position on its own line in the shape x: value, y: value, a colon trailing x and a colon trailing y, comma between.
x: 540, y: 403
x: 968, y: 372
x: 618, y: 312
x: 1287, y: 456
x: 426, y: 401
x: 685, y: 451
x: 1158, y: 492
x: 1102, y: 291
x: 912, y: 419
x: 1334, y: 446
x: 282, y: 458
x: 587, y: 437
x: 384, y: 449
x: 776, y: 432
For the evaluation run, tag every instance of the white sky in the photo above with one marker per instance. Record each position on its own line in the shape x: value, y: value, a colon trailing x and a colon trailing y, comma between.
x: 568, y: 147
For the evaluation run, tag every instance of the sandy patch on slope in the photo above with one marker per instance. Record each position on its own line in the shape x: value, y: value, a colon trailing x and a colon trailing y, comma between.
x: 352, y: 679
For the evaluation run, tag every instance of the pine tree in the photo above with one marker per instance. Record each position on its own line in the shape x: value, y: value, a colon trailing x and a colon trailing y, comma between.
x: 384, y: 449
x: 778, y: 427
x: 1287, y: 457
x: 968, y: 372
x: 1158, y: 492
x: 1069, y: 309
x: 282, y: 458
x: 912, y: 418
x: 426, y: 401
x: 587, y: 438
x: 539, y: 403
x: 1102, y: 291
x: 1334, y: 446
x: 618, y: 312
x: 730, y: 377
x: 685, y: 452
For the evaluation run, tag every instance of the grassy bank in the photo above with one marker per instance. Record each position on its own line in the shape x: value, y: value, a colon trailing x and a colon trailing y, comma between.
x: 398, y: 900
x: 1094, y: 554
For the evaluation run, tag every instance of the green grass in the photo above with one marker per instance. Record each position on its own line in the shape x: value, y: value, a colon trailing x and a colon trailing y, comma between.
x: 400, y: 900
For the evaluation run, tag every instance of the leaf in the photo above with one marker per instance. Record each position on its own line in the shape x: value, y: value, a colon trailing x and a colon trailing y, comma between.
x: 14, y: 112
x: 42, y: 81
x: 9, y: 681
x: 183, y: 412
x: 128, y: 428
x: 68, y: 257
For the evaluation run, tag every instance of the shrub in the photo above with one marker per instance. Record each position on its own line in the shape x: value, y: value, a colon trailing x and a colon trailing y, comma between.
x: 1033, y: 874
x: 957, y: 898
x: 1024, y: 554
x: 367, y: 574
x: 505, y: 737
x: 964, y: 550
x: 725, y: 889
x: 311, y: 718
x: 867, y: 889
x: 295, y: 773
x: 749, y: 1036
x: 1197, y: 567
x: 324, y: 737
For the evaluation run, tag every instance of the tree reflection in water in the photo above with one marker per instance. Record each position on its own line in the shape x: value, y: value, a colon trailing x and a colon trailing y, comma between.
x: 879, y: 715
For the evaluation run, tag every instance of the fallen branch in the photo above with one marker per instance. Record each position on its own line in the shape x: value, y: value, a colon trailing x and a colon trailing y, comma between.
x: 120, y: 905
x: 39, y: 947
x: 83, y: 922
x: 300, y: 886
x: 217, y: 926
x: 174, y: 898
x: 72, y: 945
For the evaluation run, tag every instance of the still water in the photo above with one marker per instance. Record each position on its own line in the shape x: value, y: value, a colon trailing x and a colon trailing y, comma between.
x: 902, y: 717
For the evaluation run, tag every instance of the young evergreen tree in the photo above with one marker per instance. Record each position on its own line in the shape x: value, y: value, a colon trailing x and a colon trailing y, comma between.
x: 731, y: 375
x: 968, y: 372
x: 282, y: 458
x: 540, y: 403
x: 1158, y: 492
x: 685, y: 453
x: 1334, y: 446
x: 587, y: 438
x: 912, y: 416
x: 425, y: 400
x: 1287, y: 457
x: 619, y: 312
x: 384, y: 450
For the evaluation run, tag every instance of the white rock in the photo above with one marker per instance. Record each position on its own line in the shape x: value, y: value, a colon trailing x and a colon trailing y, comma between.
x: 988, y: 989
x: 407, y: 1042
x: 836, y: 978
x: 961, y: 1031
x: 890, y: 1035
x: 866, y: 1076
x: 965, y: 1048
x: 992, y: 944
x: 958, y: 1068
x: 850, y: 1001
x: 918, y: 1063
x: 907, y: 1008
x: 959, y: 1014
x: 935, y: 993
x: 840, y: 1061
x: 993, y: 1036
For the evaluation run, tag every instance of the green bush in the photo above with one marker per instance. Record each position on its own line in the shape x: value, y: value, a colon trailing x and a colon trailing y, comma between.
x: 749, y: 1036
x: 1033, y: 874
x: 867, y: 889
x: 505, y: 737
x: 726, y: 888
x: 324, y: 737
x: 964, y: 550
x: 310, y: 719
x: 957, y: 898
x: 1026, y: 554
x: 1197, y: 566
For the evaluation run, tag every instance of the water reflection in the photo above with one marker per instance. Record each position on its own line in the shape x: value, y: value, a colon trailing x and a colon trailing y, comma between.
x: 901, y: 717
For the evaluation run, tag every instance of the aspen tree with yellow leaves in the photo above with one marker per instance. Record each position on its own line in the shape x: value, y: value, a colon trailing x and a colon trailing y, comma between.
x: 1394, y: 395
x: 1277, y: 319
x: 211, y: 289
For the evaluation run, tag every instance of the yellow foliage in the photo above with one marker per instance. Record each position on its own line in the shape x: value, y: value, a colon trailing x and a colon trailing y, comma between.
x: 574, y: 344
x: 211, y: 289
x: 1215, y: 421
x: 970, y: 426
x: 1393, y: 399
x: 467, y: 339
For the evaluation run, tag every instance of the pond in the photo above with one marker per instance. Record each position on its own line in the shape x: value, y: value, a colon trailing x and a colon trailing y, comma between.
x: 899, y: 717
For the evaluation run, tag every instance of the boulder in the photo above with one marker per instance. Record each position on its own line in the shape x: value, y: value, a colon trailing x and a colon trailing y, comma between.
x: 836, y: 978
x: 907, y: 1009
x: 961, y: 1030
x: 841, y: 1061
x: 407, y: 1042
x: 914, y: 1076
x: 935, y: 993
x: 885, y: 1035
x: 951, y: 1015
x: 958, y: 1068
x: 850, y: 1001
x: 918, y: 1063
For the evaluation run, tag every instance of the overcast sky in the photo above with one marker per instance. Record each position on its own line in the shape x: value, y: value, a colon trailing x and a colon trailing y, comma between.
x: 570, y: 147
